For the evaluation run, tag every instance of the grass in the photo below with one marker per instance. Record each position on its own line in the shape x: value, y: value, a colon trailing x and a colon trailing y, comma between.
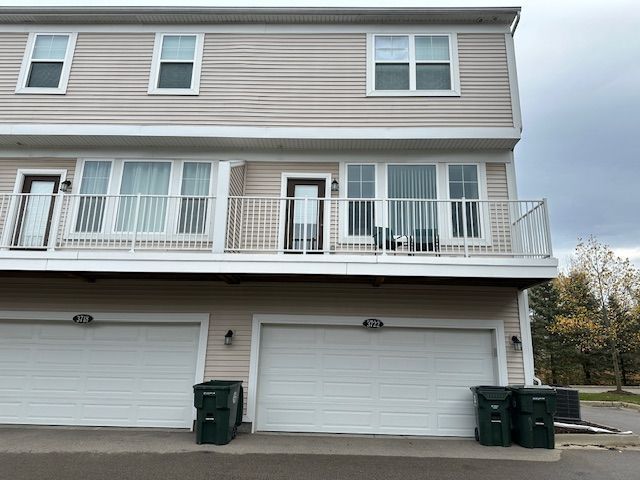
x: 611, y: 397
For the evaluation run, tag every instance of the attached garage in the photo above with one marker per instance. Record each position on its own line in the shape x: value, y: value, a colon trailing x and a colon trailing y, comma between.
x: 407, y: 378
x: 119, y: 370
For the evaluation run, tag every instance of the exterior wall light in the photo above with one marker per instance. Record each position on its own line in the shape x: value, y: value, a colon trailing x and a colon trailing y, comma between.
x: 517, y: 343
x: 65, y: 186
x: 228, y: 337
x: 334, y: 185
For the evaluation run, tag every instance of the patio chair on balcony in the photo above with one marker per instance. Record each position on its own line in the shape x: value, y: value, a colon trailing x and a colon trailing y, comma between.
x: 425, y: 240
x: 384, y: 236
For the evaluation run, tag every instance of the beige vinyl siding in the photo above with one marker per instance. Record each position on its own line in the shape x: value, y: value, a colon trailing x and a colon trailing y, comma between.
x: 9, y: 169
x: 498, y: 190
x: 497, y: 184
x: 256, y: 79
x: 255, y: 223
x: 232, y: 307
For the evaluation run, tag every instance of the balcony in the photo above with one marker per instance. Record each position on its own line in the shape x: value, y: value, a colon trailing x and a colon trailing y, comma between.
x: 242, y: 234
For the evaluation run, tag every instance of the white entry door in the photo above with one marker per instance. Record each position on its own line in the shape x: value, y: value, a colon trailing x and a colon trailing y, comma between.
x: 397, y: 381
x: 101, y: 374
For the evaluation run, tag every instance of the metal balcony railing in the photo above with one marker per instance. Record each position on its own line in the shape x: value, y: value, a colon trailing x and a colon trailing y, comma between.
x: 414, y: 227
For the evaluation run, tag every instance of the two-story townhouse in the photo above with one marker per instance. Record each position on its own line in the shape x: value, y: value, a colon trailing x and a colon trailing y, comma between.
x: 320, y: 202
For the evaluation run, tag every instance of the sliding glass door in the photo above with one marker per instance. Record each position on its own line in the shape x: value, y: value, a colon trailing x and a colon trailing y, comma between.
x: 410, y: 189
x: 148, y: 212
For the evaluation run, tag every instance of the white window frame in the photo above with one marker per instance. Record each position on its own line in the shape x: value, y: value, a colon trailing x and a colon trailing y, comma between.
x: 25, y: 68
x: 343, y: 210
x: 485, y: 239
x: 115, y: 181
x: 155, y: 66
x: 412, y: 92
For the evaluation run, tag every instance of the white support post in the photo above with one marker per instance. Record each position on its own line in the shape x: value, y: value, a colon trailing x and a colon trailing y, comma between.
x: 58, y: 200
x: 547, y: 227
x: 525, y: 337
x: 221, y: 207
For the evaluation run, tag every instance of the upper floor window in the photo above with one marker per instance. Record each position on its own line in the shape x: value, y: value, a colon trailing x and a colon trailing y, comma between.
x: 47, y: 63
x: 413, y: 64
x: 177, y: 61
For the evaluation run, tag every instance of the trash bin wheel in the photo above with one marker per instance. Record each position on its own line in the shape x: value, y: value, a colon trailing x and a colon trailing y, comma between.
x: 477, y: 434
x: 234, y: 432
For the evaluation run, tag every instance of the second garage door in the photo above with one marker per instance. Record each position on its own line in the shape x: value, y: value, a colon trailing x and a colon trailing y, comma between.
x: 103, y: 374
x: 386, y: 381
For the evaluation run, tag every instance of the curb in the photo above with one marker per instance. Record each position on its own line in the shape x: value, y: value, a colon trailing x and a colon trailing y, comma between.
x: 598, y: 440
x: 602, y: 403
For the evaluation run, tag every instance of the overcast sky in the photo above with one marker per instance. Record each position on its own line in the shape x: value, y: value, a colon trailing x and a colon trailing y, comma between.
x: 579, y: 75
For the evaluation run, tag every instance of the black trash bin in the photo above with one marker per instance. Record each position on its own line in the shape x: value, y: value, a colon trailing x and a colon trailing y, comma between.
x: 533, y: 409
x: 493, y: 415
x: 219, y: 410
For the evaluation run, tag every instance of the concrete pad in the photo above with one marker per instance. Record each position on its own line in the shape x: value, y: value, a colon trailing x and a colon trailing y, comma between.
x: 111, y: 440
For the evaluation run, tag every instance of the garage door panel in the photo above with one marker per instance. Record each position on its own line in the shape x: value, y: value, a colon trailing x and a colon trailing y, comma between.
x: 13, y: 355
x: 334, y: 390
x: 116, y: 374
x: 395, y: 381
x: 347, y: 337
x: 55, y: 384
x: 114, y: 385
x: 345, y: 364
x: 404, y: 392
x: 63, y: 331
x: 291, y: 388
x: 291, y: 362
x: 60, y: 356
x: 406, y: 421
x: 346, y: 419
x: 461, y: 338
x: 113, y: 357
x: 289, y: 417
x: 404, y: 364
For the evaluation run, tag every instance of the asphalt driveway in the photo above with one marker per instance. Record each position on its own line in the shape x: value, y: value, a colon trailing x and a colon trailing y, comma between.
x: 574, y: 465
x: 620, y: 418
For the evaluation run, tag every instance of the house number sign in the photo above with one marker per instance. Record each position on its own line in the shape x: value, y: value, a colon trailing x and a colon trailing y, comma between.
x: 83, y: 318
x: 372, y: 323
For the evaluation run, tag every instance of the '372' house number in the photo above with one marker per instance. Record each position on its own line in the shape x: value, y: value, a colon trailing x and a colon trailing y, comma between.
x: 372, y: 323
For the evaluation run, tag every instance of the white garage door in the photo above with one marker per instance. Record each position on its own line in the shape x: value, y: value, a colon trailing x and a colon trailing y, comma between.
x: 385, y: 381
x: 109, y: 374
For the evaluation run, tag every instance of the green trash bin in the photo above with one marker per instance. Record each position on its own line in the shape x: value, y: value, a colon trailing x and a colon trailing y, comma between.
x: 493, y: 415
x: 533, y: 409
x: 219, y: 410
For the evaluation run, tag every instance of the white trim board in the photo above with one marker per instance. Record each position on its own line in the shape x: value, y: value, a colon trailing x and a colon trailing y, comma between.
x: 313, y: 133
x: 496, y: 326
x: 259, y: 28
x: 177, y: 262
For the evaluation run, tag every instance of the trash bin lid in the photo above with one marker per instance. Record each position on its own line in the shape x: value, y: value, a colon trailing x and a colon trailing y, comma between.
x: 217, y: 385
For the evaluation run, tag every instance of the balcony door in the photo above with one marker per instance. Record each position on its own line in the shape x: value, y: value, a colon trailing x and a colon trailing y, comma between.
x: 35, y: 211
x: 305, y: 215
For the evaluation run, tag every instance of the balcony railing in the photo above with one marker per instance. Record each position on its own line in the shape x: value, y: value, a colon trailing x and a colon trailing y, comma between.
x: 106, y: 222
x: 411, y: 227
x: 388, y: 226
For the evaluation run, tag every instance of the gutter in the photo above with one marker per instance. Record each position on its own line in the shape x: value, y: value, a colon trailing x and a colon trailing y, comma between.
x: 515, y: 23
